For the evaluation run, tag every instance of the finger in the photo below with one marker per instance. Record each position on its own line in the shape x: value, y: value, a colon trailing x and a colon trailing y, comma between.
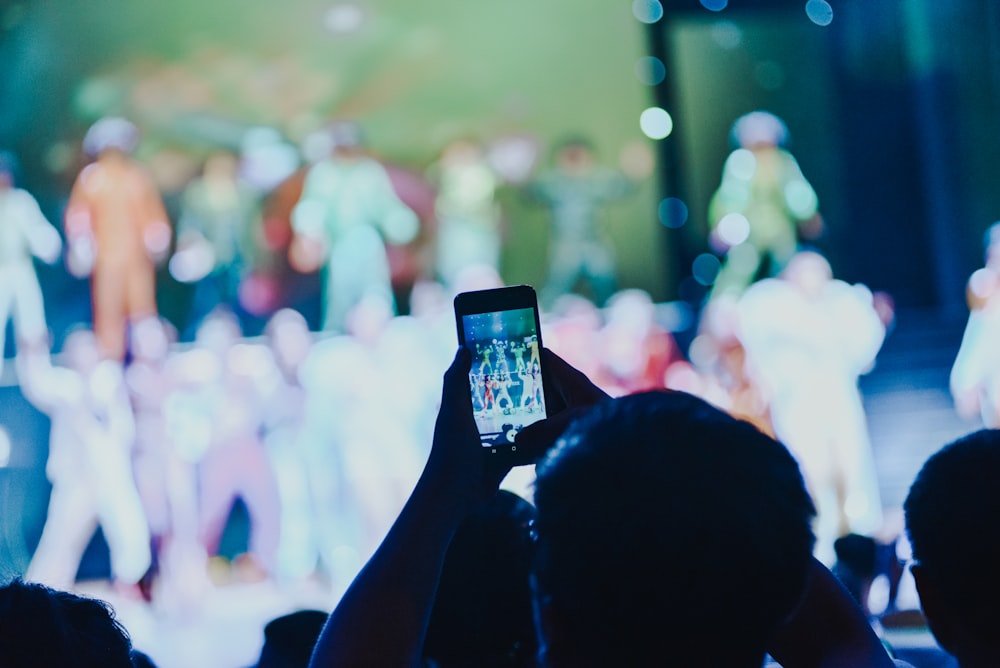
x: 537, y: 438
x: 456, y: 380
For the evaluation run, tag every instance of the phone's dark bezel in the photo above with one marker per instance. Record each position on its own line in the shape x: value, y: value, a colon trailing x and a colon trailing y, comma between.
x: 490, y: 301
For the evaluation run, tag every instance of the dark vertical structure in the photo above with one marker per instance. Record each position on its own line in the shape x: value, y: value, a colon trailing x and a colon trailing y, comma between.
x: 671, y: 184
x: 903, y: 201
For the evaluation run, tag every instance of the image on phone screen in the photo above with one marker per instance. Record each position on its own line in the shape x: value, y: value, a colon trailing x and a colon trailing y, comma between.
x: 506, y: 374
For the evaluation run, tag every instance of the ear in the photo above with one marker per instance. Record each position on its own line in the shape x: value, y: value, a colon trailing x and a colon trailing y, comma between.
x: 939, y: 616
x: 550, y: 630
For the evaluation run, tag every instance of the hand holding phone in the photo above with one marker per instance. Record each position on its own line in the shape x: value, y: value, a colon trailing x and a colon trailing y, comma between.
x: 501, y: 330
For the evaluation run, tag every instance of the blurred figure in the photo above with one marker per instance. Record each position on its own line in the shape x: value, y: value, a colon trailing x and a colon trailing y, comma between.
x: 468, y: 217
x: 761, y: 206
x: 116, y: 232
x: 299, y: 477
x: 164, y: 477
x: 365, y: 456
x: 89, y: 465
x: 720, y: 360
x: 24, y: 232
x: 636, y: 351
x: 347, y: 213
x: 235, y: 463
x: 572, y: 330
x: 975, y: 375
x: 575, y: 192
x: 808, y: 337
x: 216, y: 241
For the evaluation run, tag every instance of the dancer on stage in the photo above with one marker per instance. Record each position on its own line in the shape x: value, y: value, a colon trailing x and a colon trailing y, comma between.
x: 24, y: 233
x: 347, y: 213
x: 116, y: 232
x: 89, y: 465
x: 808, y: 337
x: 975, y: 375
x: 216, y: 236
x: 468, y: 232
x: 230, y: 386
x: 576, y: 191
x: 762, y: 205
x: 165, y: 477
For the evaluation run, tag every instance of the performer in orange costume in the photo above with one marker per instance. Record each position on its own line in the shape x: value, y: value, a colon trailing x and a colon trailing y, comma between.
x: 116, y: 230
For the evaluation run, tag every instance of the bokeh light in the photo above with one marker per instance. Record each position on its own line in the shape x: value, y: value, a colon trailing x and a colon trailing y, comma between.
x: 733, y: 228
x: 647, y: 11
x: 656, y: 123
x: 819, y: 12
x: 727, y: 34
x: 714, y: 5
x: 705, y: 268
x: 742, y: 164
x: 650, y: 70
x: 344, y: 19
x: 673, y: 212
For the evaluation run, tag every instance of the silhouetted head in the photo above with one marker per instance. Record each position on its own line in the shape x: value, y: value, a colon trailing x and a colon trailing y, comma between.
x: 482, y: 611
x: 289, y: 639
x: 663, y: 526
x: 952, y: 511
x: 40, y: 626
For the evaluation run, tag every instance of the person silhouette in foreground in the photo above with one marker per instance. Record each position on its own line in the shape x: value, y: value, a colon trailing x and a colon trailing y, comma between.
x: 40, y: 626
x: 668, y: 533
x: 951, y: 512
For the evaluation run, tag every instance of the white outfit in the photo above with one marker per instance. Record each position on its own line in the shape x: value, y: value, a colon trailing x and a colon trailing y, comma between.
x: 90, y: 469
x: 24, y: 232
x: 976, y: 370
x: 806, y: 355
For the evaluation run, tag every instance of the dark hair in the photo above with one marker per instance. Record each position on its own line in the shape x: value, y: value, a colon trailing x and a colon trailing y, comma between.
x: 482, y: 612
x: 289, y: 639
x: 40, y: 626
x: 952, y: 511
x: 661, y: 521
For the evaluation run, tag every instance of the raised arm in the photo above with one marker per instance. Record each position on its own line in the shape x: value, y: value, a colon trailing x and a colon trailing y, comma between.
x: 382, y: 619
x: 828, y: 630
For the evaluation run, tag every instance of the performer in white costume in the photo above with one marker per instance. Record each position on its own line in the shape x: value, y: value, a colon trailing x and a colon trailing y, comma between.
x: 89, y: 464
x: 24, y: 232
x: 165, y: 478
x: 808, y: 337
x: 975, y: 375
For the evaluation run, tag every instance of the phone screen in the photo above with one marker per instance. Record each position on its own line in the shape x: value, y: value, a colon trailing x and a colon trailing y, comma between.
x: 506, y: 374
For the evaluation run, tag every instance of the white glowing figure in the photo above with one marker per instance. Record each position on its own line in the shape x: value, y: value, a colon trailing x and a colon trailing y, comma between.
x: 975, y: 375
x: 808, y: 337
x: 89, y: 465
x: 24, y: 232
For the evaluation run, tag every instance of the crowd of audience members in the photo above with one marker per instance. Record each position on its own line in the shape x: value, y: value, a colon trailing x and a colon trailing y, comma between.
x: 663, y: 532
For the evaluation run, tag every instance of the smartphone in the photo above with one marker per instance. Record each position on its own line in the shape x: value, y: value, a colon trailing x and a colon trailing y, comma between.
x: 501, y: 329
